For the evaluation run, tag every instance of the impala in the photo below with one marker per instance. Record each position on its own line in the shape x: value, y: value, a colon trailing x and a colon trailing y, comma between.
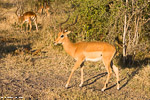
x: 44, y: 8
x: 27, y: 17
x: 88, y: 51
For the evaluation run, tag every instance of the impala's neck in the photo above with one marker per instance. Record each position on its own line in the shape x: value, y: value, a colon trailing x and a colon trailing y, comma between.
x: 21, y: 18
x: 69, y: 46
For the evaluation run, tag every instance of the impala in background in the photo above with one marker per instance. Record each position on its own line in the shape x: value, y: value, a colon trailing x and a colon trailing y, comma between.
x: 88, y: 51
x: 44, y: 9
x: 27, y: 17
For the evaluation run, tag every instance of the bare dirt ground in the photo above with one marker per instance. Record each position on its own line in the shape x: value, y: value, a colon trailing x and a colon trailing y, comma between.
x: 30, y: 72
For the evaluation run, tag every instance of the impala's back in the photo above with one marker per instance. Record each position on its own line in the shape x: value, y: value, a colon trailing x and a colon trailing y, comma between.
x: 29, y: 15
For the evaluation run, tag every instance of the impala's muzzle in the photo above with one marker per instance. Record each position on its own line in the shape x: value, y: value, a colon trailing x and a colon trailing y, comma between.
x: 55, y: 43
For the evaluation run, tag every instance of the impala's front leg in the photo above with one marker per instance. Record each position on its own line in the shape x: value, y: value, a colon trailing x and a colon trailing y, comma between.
x: 27, y: 26
x: 36, y: 25
x: 22, y: 25
x: 77, y: 64
x: 30, y: 25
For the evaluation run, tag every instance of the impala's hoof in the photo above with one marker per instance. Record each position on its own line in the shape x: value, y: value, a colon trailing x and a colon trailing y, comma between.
x: 66, y: 86
x: 103, y: 89
x: 80, y: 85
x: 118, y: 88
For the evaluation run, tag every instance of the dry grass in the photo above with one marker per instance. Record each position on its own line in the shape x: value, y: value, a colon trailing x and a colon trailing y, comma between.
x: 43, y: 75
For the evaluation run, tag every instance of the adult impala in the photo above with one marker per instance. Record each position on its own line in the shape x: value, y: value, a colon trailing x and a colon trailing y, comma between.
x: 88, y: 51
x: 27, y: 17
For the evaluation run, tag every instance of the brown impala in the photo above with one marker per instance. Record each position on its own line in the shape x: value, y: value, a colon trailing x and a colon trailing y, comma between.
x: 88, y: 51
x: 27, y: 17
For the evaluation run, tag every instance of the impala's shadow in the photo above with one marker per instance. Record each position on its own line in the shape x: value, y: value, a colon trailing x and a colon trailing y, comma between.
x: 130, y: 77
x: 137, y: 64
x: 132, y: 63
x: 100, y: 76
x: 116, y: 84
x: 96, y: 78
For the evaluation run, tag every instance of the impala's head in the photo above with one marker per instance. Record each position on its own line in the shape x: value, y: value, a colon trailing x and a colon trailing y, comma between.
x: 61, y: 37
x: 19, y: 14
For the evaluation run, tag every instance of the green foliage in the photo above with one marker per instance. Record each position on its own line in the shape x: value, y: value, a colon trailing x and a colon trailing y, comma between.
x: 96, y: 18
x: 91, y: 17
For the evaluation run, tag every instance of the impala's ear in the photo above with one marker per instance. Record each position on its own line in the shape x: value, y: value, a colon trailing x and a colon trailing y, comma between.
x: 67, y: 32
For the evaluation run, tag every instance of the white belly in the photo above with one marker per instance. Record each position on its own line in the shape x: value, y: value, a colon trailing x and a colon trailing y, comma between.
x: 27, y: 20
x: 93, y: 56
x: 94, y: 60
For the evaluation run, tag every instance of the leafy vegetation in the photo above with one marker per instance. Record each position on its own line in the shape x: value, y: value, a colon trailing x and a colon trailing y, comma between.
x: 104, y: 20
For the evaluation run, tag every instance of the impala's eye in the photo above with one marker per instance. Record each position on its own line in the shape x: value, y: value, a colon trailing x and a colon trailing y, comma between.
x: 62, y: 36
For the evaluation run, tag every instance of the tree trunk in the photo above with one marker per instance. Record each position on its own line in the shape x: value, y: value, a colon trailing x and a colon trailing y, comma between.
x: 124, y: 39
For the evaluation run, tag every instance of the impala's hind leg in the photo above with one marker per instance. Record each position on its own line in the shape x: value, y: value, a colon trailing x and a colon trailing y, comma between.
x: 108, y: 68
x: 81, y: 77
x: 115, y: 69
x: 107, y: 62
